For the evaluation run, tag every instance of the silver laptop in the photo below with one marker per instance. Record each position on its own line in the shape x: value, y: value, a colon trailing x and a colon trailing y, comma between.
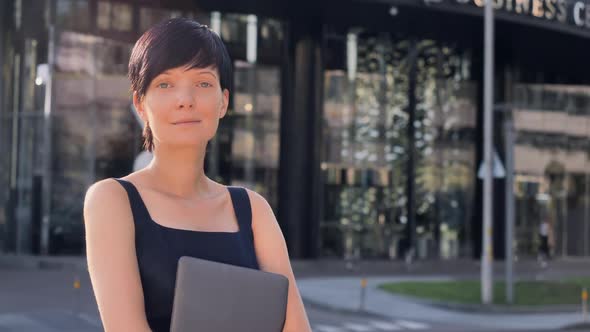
x: 216, y: 297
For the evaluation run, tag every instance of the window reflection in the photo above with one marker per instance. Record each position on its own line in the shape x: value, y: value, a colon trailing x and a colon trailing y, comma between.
x: 366, y: 151
x: 246, y: 149
x: 114, y: 16
x: 122, y: 16
x: 552, y: 167
x: 73, y: 14
x: 445, y: 152
x: 233, y: 28
x: 103, y: 21
x: 254, y: 123
x: 149, y: 16
x: 95, y: 135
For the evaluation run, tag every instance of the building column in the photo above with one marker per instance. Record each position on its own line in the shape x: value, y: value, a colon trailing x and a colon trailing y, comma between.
x: 300, y: 146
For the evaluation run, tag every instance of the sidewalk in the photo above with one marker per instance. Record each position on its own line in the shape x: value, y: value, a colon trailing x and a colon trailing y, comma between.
x: 343, y: 294
x: 459, y: 268
x: 27, y: 262
x: 468, y: 268
x: 339, y: 288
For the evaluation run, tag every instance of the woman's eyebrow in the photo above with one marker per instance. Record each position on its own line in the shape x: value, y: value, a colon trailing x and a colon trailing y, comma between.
x: 164, y: 73
x: 206, y: 71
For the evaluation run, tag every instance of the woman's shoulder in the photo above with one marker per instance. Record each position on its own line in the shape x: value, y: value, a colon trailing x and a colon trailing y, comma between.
x: 256, y: 199
x: 103, y: 189
x: 262, y: 212
x: 106, y: 200
x: 258, y: 204
x: 109, y: 188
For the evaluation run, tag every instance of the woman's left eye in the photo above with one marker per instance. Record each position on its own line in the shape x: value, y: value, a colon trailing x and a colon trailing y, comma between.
x: 204, y: 84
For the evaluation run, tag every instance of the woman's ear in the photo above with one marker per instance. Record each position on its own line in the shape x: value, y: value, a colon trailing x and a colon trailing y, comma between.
x: 224, y: 103
x: 138, y: 106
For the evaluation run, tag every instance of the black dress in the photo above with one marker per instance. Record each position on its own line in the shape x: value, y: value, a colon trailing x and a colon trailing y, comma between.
x: 158, y: 249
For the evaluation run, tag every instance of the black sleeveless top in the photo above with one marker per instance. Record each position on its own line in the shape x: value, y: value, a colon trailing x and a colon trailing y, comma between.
x: 158, y: 249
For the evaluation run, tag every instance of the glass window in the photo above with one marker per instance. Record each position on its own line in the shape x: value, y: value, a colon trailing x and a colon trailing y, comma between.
x: 122, y: 16
x: 445, y: 152
x: 254, y: 124
x: 95, y: 134
x: 366, y: 147
x: 114, y: 16
x: 363, y: 162
x: 73, y: 14
x: 10, y: 73
x: 234, y: 27
x: 149, y: 16
x: 21, y: 143
x: 552, y: 168
x: 246, y: 148
x: 271, y: 34
x: 103, y: 20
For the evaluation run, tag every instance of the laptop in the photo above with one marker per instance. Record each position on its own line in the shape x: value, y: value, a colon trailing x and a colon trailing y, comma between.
x: 216, y: 297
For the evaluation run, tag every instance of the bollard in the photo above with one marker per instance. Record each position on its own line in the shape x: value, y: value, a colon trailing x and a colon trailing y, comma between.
x: 585, y: 304
x: 363, y: 294
x: 76, y: 283
x: 76, y: 299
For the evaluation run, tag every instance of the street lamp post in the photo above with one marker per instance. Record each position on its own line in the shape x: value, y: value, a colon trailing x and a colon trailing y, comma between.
x: 487, y: 249
x: 47, y: 173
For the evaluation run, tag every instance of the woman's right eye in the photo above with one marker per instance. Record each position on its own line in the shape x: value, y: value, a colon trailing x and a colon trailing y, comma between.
x: 163, y: 85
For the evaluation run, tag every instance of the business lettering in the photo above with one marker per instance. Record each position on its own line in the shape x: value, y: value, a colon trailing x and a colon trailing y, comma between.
x: 561, y: 11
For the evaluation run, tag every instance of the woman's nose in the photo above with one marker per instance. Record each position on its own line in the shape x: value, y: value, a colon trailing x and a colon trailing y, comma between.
x: 185, y: 99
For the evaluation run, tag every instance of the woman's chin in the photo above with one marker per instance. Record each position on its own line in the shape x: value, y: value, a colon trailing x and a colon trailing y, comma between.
x: 188, y: 144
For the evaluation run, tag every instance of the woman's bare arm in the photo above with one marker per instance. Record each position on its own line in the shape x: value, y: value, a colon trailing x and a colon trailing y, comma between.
x: 112, y: 262
x: 272, y: 255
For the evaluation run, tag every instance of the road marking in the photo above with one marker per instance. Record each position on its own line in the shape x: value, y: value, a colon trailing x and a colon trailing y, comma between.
x: 386, y: 326
x: 19, y: 321
x: 90, y: 319
x: 327, y: 328
x: 372, y: 325
x: 412, y: 325
x: 357, y: 327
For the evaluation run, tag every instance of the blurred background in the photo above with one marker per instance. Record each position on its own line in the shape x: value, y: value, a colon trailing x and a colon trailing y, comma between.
x: 360, y: 121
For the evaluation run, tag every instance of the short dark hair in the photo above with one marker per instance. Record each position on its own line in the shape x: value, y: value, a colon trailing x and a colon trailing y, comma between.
x: 176, y: 43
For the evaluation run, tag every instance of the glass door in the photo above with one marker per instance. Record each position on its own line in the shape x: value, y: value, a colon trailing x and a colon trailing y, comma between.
x: 398, y: 129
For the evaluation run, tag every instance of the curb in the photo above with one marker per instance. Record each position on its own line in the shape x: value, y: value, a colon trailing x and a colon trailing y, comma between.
x: 501, y: 309
x: 455, y: 307
x: 488, y: 309
x: 348, y: 311
x: 578, y: 326
x: 29, y: 262
x: 340, y: 310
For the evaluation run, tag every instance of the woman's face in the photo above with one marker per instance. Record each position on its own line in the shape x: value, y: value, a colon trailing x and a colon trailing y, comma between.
x: 183, y: 106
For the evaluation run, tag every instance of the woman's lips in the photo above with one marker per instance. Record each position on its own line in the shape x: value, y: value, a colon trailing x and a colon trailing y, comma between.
x: 187, y: 122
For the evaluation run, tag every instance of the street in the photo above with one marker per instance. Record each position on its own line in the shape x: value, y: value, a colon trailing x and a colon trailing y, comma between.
x: 323, y: 320
x: 47, y: 301
x: 51, y: 320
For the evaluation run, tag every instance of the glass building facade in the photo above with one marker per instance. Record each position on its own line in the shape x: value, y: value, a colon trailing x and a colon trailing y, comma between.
x: 92, y: 127
x: 362, y: 127
x: 552, y: 166
x: 368, y: 138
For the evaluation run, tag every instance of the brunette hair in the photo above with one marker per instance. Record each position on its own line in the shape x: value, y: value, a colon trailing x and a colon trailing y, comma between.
x: 177, y: 42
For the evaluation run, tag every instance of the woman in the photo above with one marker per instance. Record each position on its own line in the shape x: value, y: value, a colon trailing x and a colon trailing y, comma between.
x: 138, y: 226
